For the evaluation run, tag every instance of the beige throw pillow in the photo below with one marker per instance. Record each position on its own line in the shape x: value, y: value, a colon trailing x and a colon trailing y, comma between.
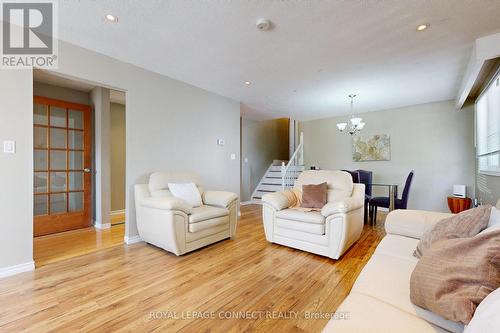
x: 455, y: 275
x: 465, y: 224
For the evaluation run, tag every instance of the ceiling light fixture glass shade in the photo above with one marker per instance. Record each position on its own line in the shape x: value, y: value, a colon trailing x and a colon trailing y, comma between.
x: 341, y: 126
x: 356, y: 121
x: 356, y: 124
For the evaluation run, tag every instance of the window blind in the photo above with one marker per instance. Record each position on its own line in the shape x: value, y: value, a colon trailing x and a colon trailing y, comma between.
x: 488, y: 128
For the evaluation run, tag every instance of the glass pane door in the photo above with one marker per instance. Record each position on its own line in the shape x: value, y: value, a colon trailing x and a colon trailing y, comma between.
x: 61, y: 158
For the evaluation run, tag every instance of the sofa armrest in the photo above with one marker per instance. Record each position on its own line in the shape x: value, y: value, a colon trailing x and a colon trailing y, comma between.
x: 277, y: 200
x: 218, y: 198
x: 412, y: 223
x: 167, y: 203
x: 344, y: 206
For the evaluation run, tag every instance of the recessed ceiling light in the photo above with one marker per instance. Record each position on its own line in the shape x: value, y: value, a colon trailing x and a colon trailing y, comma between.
x: 111, y: 18
x: 248, y: 83
x: 422, y: 27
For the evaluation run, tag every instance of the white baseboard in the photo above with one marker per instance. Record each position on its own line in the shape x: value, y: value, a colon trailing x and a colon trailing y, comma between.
x: 132, y: 240
x: 102, y: 226
x: 117, y: 212
x: 16, y: 269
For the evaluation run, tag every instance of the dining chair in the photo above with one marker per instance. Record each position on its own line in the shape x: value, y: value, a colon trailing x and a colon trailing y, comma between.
x: 365, y: 177
x: 354, y: 175
x: 384, y: 201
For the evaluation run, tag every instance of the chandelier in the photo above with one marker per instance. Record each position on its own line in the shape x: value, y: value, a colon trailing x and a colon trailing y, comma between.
x: 356, y: 124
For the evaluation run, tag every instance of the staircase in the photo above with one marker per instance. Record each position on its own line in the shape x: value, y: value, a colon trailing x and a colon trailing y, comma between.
x: 281, y: 175
x: 271, y: 182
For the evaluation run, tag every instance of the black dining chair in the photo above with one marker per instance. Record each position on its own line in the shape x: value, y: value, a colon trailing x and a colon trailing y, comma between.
x: 384, y: 201
x: 365, y: 177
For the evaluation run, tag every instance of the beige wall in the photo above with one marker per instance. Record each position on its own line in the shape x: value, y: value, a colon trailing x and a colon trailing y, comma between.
x: 64, y: 94
x: 171, y: 125
x: 16, y: 178
x: 261, y: 143
x: 433, y: 139
x: 117, y: 157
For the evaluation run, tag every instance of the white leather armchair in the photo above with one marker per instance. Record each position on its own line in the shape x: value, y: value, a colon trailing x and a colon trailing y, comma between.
x: 329, y: 232
x: 172, y: 224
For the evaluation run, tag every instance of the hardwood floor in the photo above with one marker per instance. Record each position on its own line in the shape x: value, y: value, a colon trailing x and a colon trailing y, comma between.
x: 117, y: 218
x: 140, y: 288
x: 53, y: 248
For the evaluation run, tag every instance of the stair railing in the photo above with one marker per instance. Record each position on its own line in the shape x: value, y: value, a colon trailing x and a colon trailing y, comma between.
x: 291, y: 170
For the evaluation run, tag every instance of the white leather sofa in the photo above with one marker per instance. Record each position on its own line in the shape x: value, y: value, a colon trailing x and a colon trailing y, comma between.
x: 379, y: 301
x: 172, y: 224
x: 329, y: 232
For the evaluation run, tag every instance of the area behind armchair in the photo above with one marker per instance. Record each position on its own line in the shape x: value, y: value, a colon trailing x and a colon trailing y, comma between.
x: 329, y: 232
x: 173, y: 224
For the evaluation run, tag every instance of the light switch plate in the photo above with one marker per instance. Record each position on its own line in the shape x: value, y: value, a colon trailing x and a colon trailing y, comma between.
x: 9, y: 146
x: 220, y: 142
x: 233, y: 156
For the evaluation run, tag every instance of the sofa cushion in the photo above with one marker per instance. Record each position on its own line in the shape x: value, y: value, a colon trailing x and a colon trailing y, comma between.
x: 204, y: 212
x: 466, y: 224
x: 298, y: 215
x: 387, y: 278
x: 312, y: 228
x: 398, y: 246
x: 486, y: 318
x: 206, y: 224
x: 494, y: 217
x: 412, y: 223
x: 365, y: 314
x: 339, y: 183
x: 455, y: 275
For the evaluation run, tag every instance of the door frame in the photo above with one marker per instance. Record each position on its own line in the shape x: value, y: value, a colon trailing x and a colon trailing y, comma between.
x: 69, y: 220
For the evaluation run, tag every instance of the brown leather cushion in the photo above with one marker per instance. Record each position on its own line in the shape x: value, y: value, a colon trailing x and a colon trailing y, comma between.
x: 466, y: 224
x: 455, y: 275
x: 314, y: 196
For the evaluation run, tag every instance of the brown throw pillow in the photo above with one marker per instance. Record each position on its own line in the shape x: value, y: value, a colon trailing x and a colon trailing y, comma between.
x: 465, y: 224
x: 314, y: 196
x: 455, y: 275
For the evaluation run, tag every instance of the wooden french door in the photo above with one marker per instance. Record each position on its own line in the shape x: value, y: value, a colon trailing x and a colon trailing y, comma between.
x: 62, y: 160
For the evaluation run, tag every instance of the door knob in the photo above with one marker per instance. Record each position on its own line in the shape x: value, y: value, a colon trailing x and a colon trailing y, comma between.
x: 86, y: 170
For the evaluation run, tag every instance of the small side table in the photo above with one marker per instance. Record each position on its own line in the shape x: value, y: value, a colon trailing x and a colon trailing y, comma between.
x: 458, y: 205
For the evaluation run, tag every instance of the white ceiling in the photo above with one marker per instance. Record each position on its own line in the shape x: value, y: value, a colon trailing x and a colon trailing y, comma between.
x: 318, y: 52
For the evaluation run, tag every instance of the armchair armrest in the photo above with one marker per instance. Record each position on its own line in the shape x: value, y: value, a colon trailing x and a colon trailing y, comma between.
x: 412, y: 223
x: 343, y: 206
x: 218, y: 198
x: 167, y: 203
x: 277, y: 200
x: 355, y: 201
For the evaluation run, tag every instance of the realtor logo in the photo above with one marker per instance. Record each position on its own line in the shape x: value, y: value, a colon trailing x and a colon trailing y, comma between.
x: 28, y: 34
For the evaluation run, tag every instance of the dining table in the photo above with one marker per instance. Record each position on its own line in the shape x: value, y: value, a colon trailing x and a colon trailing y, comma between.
x: 393, y: 193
